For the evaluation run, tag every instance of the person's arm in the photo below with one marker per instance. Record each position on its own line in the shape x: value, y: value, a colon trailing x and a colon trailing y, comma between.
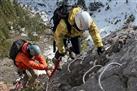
x: 26, y: 61
x: 32, y: 64
x: 60, y: 32
x: 37, y: 66
x: 94, y: 32
x: 41, y: 60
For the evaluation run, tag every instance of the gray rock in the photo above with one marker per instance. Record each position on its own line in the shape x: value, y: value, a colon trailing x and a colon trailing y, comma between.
x: 113, y: 83
x: 132, y: 84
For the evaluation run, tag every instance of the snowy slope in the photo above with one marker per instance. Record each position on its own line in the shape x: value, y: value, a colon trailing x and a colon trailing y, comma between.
x: 43, y: 7
x: 107, y: 20
x: 117, y: 13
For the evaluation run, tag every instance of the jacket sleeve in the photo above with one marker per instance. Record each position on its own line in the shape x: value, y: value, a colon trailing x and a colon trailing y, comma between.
x: 60, y: 32
x: 23, y: 61
x: 32, y: 64
x: 94, y: 32
x: 41, y: 60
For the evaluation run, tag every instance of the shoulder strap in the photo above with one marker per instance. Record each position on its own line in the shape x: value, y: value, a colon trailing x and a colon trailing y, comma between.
x: 75, y: 26
x: 69, y: 26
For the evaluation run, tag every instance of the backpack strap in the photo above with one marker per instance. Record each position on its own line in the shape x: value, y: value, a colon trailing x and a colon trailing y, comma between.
x: 69, y: 26
x: 75, y: 26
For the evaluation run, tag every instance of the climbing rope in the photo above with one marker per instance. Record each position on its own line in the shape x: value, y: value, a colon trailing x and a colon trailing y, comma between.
x: 47, y: 85
x: 89, y: 71
x: 79, y: 57
x: 105, y: 68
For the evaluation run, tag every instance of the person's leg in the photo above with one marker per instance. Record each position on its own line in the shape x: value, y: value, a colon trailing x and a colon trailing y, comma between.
x: 57, y: 59
x: 65, y: 42
x: 25, y: 78
x: 33, y: 77
x: 75, y: 45
x: 75, y: 49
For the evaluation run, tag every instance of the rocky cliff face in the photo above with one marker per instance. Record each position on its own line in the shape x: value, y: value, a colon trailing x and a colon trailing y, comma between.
x: 116, y: 68
x: 121, y: 50
x: 3, y: 87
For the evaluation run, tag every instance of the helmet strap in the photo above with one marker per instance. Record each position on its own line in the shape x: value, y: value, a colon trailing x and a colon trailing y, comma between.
x: 75, y: 26
x: 30, y: 56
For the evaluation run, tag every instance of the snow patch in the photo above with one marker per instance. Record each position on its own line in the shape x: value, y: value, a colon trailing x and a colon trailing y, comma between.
x: 107, y: 20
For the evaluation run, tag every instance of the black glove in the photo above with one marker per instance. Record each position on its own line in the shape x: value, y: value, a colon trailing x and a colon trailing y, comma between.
x: 58, y: 55
x: 100, y: 50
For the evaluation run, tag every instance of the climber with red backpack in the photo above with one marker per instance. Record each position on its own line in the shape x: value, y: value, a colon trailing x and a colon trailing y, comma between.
x: 25, y: 55
x: 72, y: 22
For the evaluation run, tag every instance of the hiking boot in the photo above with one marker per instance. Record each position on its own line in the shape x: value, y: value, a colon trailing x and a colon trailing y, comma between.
x: 56, y: 63
x: 59, y: 66
x: 72, y: 55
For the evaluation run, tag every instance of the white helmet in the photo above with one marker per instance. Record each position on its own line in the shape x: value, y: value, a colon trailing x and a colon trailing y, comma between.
x: 83, y: 20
